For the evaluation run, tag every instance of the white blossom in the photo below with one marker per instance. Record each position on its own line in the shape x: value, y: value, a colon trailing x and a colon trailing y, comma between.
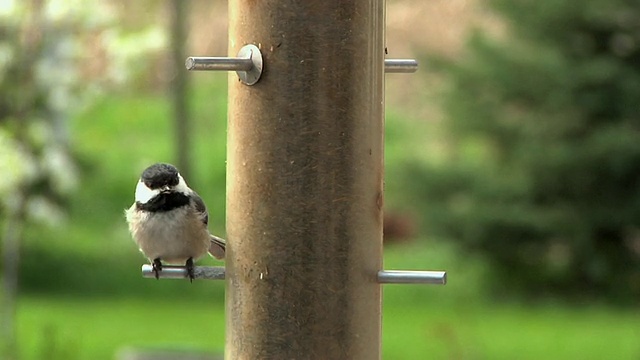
x: 74, y: 36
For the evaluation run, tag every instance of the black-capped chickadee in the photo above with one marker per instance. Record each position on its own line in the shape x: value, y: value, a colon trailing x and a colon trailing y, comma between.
x: 169, y: 221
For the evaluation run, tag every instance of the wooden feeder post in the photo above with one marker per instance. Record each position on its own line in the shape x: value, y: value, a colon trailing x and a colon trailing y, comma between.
x: 304, y: 181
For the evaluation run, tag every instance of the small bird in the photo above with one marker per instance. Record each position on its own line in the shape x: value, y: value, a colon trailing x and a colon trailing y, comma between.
x: 168, y: 221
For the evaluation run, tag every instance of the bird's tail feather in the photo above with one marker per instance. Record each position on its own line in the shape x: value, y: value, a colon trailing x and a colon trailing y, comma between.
x: 217, y: 247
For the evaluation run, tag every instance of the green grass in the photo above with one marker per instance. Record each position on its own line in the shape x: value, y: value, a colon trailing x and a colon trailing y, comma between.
x: 442, y: 331
x: 92, y: 328
x: 80, y: 328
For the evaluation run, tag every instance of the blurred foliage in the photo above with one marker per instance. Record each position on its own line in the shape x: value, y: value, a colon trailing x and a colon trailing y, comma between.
x: 543, y: 173
x: 56, y: 57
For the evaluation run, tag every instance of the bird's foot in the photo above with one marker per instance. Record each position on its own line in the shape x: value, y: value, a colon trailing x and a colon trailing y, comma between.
x: 190, y: 269
x: 157, y: 267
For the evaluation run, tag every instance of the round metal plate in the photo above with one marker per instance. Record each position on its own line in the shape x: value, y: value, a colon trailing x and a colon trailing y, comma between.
x: 252, y: 76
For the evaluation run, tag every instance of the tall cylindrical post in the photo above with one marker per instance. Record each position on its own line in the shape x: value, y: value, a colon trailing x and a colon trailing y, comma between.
x: 304, y: 181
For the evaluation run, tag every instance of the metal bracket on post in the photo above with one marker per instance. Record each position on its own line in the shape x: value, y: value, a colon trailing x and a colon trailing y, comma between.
x: 248, y: 64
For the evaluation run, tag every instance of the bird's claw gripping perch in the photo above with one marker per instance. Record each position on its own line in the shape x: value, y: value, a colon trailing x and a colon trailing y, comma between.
x: 157, y: 267
x: 190, y: 269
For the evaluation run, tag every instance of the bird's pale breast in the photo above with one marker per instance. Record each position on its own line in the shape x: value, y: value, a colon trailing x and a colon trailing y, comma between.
x: 173, y: 236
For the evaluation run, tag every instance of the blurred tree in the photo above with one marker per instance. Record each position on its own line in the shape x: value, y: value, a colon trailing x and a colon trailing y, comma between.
x: 544, y: 170
x: 45, y: 76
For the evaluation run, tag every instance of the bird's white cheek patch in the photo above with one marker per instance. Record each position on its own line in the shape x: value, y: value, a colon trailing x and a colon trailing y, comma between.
x: 182, y: 185
x: 144, y: 194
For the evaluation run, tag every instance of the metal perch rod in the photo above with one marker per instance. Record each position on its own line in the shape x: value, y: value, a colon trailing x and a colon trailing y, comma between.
x: 400, y: 65
x: 180, y: 272
x: 246, y: 64
x: 218, y: 273
x: 412, y: 277
x: 219, y: 63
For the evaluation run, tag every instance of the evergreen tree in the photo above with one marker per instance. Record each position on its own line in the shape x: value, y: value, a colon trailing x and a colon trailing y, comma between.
x: 544, y: 174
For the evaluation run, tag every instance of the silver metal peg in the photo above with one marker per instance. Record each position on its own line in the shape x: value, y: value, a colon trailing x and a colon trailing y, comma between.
x: 218, y: 273
x: 400, y: 65
x: 247, y: 64
x: 412, y: 277
x: 180, y: 272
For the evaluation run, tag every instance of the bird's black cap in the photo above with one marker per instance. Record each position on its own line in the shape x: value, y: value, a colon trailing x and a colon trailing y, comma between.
x: 159, y: 175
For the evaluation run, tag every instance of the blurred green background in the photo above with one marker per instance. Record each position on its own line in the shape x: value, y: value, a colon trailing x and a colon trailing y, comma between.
x: 512, y: 161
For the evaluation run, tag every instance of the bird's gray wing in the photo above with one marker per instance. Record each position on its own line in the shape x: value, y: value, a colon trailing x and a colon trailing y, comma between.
x: 201, y: 208
x: 217, y: 246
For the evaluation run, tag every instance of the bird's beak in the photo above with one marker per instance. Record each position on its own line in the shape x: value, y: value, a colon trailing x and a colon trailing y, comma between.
x: 165, y: 189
